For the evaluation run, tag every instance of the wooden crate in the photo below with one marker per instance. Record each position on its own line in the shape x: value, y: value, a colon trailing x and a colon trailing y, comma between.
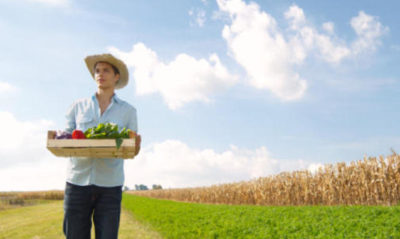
x: 93, y: 148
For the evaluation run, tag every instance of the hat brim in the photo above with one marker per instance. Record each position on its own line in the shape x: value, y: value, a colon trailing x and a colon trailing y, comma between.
x: 120, y: 65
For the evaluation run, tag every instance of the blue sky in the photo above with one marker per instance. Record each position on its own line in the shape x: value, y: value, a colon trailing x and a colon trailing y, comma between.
x: 225, y: 90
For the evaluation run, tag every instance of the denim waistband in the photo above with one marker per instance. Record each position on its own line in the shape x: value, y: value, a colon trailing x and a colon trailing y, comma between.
x: 94, y: 186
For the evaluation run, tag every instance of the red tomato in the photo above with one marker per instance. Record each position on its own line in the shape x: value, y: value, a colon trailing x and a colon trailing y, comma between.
x: 78, y: 134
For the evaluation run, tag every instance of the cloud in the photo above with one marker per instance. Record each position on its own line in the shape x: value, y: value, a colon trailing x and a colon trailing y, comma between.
x: 369, y: 31
x: 328, y: 46
x: 270, y: 55
x: 6, y: 88
x: 22, y: 141
x: 329, y: 27
x: 185, y: 79
x: 307, y: 38
x: 26, y: 164
x: 47, y: 174
x: 314, y: 167
x: 199, y: 17
x: 255, y: 42
x: 173, y: 164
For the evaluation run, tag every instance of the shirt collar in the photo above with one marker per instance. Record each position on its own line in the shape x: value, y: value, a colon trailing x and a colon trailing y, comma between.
x: 114, y: 98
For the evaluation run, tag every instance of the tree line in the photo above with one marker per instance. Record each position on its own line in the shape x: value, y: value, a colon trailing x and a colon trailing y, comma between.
x: 141, y: 187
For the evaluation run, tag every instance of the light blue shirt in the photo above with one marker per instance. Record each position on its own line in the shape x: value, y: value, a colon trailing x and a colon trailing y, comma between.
x: 84, y: 114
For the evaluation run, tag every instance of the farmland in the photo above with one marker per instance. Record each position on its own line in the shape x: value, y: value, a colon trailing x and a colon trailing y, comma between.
x: 193, y: 220
x: 43, y: 219
x: 10, y: 200
x: 372, y: 181
x: 144, y: 217
x: 359, y: 200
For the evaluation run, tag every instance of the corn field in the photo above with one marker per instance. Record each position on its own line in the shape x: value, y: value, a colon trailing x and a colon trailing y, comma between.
x: 371, y: 181
x: 16, y: 199
x: 43, y: 195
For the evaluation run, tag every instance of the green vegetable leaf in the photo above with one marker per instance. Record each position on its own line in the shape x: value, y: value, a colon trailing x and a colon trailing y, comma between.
x: 114, y: 128
x: 113, y: 135
x: 100, y: 128
x: 107, y: 131
x: 118, y: 142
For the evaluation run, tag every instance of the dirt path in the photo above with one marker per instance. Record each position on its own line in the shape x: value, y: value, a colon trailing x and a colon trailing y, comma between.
x: 131, y: 228
x: 44, y: 221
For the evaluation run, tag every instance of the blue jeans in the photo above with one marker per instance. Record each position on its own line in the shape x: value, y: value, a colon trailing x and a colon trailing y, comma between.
x: 81, y: 203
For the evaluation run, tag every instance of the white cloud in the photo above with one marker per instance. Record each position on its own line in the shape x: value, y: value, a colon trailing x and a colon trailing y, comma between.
x: 221, y: 16
x: 314, y: 167
x: 329, y: 27
x: 26, y: 164
x: 296, y: 17
x: 255, y: 42
x: 328, y: 46
x: 22, y: 141
x: 269, y: 55
x: 174, y: 164
x: 369, y: 30
x: 183, y: 80
x: 6, y: 88
x: 199, y: 17
x: 47, y: 174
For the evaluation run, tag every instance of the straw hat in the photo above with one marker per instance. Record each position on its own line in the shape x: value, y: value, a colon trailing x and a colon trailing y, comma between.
x: 120, y: 65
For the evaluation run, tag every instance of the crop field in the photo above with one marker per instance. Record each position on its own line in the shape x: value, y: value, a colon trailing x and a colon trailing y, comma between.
x: 372, y: 181
x: 10, y: 200
x: 144, y: 217
x: 359, y: 200
x: 194, y: 220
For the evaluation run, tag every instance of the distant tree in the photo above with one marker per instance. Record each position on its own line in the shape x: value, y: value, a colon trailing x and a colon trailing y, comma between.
x: 141, y: 187
x: 156, y: 186
x: 125, y: 188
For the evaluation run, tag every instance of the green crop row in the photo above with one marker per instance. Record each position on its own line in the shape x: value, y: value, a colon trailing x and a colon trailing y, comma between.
x: 191, y: 220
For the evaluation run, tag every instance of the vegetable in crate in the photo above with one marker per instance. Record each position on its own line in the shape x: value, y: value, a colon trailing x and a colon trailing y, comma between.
x: 78, y: 134
x: 107, y: 131
x: 60, y: 134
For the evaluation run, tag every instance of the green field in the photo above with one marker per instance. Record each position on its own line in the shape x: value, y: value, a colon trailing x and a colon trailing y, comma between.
x: 190, y: 220
x: 153, y: 218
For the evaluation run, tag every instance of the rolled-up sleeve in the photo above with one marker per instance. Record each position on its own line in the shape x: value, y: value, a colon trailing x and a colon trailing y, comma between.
x: 70, y: 116
x: 132, y: 120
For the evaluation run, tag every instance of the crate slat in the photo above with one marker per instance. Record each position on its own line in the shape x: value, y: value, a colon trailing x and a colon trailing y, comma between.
x: 85, y: 143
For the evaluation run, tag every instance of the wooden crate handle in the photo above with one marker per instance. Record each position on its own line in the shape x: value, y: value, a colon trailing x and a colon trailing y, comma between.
x: 132, y: 134
x: 51, y: 134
